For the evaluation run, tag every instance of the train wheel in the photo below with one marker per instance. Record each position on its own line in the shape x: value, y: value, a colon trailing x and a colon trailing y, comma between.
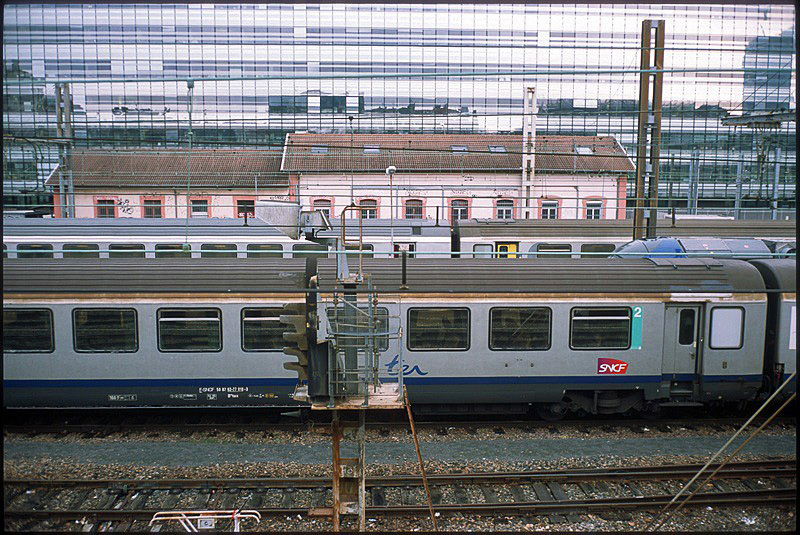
x: 551, y: 412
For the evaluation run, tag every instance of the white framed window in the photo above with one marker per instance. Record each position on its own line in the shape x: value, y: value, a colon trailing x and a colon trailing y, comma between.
x: 370, y: 209
x: 505, y: 209
x: 413, y: 209
x: 324, y: 206
x: 199, y: 208
x: 550, y: 210
x: 594, y: 210
x: 459, y: 209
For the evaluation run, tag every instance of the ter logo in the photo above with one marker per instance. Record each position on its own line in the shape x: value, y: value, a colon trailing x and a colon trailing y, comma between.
x: 611, y: 366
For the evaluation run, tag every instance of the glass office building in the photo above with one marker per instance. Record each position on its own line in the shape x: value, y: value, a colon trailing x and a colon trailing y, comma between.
x: 262, y: 70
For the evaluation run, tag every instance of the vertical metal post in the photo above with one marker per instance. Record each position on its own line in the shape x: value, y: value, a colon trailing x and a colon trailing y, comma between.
x: 775, y: 183
x: 190, y: 95
x: 528, y: 151
x: 336, y: 436
x: 647, y: 168
x: 61, y: 156
x: 362, y: 472
x: 68, y: 134
x: 737, y: 203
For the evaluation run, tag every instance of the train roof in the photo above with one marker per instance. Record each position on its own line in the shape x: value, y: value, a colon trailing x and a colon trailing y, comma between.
x: 165, y: 275
x: 780, y: 273
x: 682, y: 228
x: 551, y: 275
x: 229, y: 275
x: 223, y: 227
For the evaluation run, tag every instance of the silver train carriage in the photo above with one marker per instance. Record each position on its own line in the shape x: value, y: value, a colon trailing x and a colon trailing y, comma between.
x: 563, y: 238
x: 209, y: 238
x: 597, y: 335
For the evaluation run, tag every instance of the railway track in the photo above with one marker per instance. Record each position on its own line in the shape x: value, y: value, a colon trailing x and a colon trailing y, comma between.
x: 561, y: 494
x: 102, y: 429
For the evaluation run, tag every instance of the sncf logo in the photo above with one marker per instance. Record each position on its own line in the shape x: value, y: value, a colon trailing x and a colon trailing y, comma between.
x: 611, y: 366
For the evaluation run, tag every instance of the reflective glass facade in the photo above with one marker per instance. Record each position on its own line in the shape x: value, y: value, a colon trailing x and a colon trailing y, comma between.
x: 399, y: 68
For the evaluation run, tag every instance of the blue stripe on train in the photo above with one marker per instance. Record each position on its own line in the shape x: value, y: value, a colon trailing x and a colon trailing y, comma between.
x: 274, y: 381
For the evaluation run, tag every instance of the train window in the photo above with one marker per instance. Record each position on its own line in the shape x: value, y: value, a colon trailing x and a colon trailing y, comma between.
x: 519, y: 328
x: 483, y: 250
x: 552, y: 249
x: 262, y: 329
x: 597, y: 248
x: 171, y: 250
x: 34, y: 250
x: 265, y: 250
x: 105, y: 330
x: 189, y: 329
x: 726, y: 327
x: 366, y: 247
x: 310, y: 247
x: 600, y: 328
x: 362, y: 323
x: 81, y: 250
x: 218, y: 250
x: 438, y: 329
x: 27, y: 330
x: 686, y: 328
x: 126, y: 250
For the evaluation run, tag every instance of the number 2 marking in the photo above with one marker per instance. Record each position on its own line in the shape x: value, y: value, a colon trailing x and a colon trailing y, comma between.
x: 637, y: 312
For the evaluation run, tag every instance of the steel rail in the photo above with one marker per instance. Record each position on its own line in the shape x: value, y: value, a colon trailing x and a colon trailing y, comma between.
x: 749, y: 469
x: 228, y: 426
x: 773, y: 497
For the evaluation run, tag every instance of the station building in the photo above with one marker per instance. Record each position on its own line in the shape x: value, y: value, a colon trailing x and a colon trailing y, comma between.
x: 438, y: 176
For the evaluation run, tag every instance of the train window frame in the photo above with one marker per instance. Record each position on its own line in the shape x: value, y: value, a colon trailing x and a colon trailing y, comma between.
x: 439, y: 349
x: 242, y: 320
x: 184, y: 309
x: 52, y: 330
x: 584, y: 249
x: 174, y: 248
x: 711, y: 325
x: 368, y: 249
x: 299, y: 247
x: 45, y: 249
x: 80, y: 250
x: 565, y: 253
x: 127, y: 250
x: 218, y: 250
x: 275, y: 251
x: 549, y: 328
x: 600, y: 348
x: 93, y: 309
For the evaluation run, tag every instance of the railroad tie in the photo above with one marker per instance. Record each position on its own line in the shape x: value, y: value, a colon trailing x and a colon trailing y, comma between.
x: 78, y: 499
x: 256, y: 499
x: 781, y: 483
x: 405, y: 496
x: 558, y: 493
x: 171, y: 499
x: 229, y: 499
x: 602, y: 488
x: 318, y: 497
x: 11, y: 495
x: 203, y: 496
x: 378, y: 496
x: 517, y: 493
x: 543, y: 495
x: 461, y: 494
x: 111, y: 496
x: 436, y: 495
x: 721, y: 485
x: 489, y: 495
x: 750, y: 484
x: 139, y: 501
x: 587, y: 489
x: 637, y: 492
x: 287, y: 498
x: 123, y: 527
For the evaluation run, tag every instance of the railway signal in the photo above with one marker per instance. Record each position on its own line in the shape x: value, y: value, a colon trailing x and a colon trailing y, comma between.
x: 295, y: 315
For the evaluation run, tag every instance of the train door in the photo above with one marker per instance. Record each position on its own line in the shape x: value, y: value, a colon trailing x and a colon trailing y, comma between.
x: 507, y: 249
x: 682, y: 349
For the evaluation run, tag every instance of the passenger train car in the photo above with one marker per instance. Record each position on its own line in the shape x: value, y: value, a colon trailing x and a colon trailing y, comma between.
x: 556, y: 335
x: 225, y: 238
x: 214, y: 238
x: 566, y: 238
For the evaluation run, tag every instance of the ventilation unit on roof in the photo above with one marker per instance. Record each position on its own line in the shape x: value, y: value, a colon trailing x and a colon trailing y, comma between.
x: 458, y: 148
x: 586, y: 151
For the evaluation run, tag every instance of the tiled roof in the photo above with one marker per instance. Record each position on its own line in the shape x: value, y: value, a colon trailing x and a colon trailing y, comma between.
x: 306, y: 152
x: 168, y: 168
